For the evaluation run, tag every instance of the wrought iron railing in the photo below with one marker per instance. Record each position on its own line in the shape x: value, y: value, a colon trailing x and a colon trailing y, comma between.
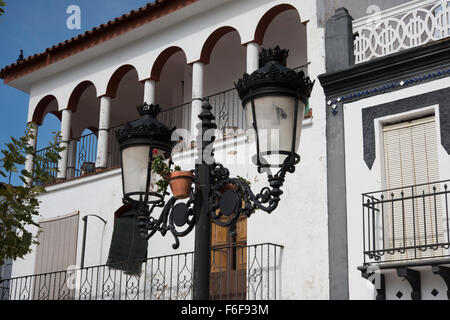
x: 51, y: 166
x: 237, y: 272
x: 408, y: 223
x: 228, y: 111
x: 82, y: 154
x: 406, y: 26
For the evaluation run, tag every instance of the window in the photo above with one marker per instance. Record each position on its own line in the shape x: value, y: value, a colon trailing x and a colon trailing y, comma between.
x: 57, y: 250
x: 411, y: 169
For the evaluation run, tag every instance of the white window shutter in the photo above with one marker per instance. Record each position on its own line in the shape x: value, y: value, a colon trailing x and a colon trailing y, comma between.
x: 411, y: 159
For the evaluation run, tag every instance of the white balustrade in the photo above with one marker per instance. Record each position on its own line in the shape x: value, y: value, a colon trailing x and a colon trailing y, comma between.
x: 412, y: 24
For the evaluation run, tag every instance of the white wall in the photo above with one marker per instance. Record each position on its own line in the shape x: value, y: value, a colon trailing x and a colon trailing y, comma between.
x: 362, y: 180
x: 300, y: 222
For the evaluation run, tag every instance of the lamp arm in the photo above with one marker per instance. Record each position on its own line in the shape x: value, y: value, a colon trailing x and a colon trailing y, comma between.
x: 232, y: 198
x: 172, y: 216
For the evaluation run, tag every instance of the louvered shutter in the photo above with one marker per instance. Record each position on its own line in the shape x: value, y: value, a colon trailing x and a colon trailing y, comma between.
x: 57, y: 250
x: 410, y: 151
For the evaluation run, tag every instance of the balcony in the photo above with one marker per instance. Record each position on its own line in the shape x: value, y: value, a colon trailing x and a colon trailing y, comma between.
x: 408, y: 224
x: 409, y: 25
x: 237, y: 272
x: 227, y: 109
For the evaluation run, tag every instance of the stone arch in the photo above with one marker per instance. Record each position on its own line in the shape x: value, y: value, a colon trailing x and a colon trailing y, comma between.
x: 267, y: 18
x: 212, y: 40
x: 114, y: 81
x: 40, y: 110
x: 161, y: 61
x: 76, y: 94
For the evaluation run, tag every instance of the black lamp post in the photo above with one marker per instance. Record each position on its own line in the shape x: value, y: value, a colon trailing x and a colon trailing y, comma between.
x: 274, y: 98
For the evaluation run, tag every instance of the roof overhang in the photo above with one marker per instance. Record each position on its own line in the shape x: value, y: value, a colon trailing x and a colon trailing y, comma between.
x: 108, y: 37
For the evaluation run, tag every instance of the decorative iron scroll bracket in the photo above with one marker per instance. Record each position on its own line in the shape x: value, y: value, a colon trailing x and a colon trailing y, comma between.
x: 172, y: 217
x: 230, y: 198
x: 444, y: 273
x: 413, y: 277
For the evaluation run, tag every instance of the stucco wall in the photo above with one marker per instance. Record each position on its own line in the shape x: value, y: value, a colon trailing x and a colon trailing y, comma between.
x: 361, y: 180
x: 300, y: 222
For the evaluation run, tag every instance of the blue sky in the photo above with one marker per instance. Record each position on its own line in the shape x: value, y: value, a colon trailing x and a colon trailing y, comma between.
x: 34, y: 26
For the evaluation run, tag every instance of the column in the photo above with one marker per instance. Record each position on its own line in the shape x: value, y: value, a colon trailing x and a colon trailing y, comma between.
x: 149, y: 91
x: 197, y: 96
x: 252, y: 57
x: 339, y: 41
x: 103, y: 133
x: 66, y: 123
x: 339, y: 49
x: 32, y: 143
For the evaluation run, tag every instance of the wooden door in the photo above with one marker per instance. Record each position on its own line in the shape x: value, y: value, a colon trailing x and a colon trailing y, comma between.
x: 228, y: 280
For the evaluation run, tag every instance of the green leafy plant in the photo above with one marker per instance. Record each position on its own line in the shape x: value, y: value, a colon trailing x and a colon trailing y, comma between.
x: 19, y: 204
x: 244, y: 180
x: 162, y: 169
x: 2, y: 4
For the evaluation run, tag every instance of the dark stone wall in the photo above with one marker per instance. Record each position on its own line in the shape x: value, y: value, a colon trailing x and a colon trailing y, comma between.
x: 439, y: 97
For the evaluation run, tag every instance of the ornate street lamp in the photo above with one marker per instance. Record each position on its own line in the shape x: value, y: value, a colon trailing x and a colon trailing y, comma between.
x: 140, y: 142
x: 274, y: 98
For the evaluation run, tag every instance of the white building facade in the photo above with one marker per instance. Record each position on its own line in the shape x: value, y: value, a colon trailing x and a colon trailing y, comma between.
x: 175, y: 53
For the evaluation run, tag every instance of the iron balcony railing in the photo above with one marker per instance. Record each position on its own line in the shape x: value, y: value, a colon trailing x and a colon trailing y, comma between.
x: 408, y: 223
x: 51, y: 166
x: 237, y: 272
x: 82, y: 154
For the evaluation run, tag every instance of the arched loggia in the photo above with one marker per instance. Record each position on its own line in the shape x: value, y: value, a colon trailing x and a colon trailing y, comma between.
x: 84, y: 106
x: 225, y: 62
x: 124, y: 92
x: 173, y: 87
x: 282, y: 26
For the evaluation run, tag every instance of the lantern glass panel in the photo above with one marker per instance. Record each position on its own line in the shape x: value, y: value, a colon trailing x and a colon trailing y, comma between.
x: 275, y: 126
x: 135, y: 160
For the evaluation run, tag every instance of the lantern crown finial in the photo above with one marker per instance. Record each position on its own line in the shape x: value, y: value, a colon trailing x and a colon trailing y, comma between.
x: 274, y: 77
x: 276, y: 55
x: 149, y: 109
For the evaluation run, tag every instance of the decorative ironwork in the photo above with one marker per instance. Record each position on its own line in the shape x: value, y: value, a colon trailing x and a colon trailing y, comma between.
x: 228, y: 204
x: 172, y: 216
x: 400, y: 28
x: 278, y: 73
x: 408, y: 223
x: 161, y: 278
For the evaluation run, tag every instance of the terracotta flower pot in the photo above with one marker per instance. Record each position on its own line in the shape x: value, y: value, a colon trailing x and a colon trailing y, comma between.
x: 180, y: 182
x: 229, y: 186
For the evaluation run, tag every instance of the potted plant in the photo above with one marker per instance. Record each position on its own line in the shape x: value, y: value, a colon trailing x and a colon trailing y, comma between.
x: 180, y: 181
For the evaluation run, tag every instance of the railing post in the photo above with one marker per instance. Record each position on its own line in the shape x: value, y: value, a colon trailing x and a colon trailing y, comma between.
x: 72, y: 159
x: 66, y: 124
x: 103, y: 133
